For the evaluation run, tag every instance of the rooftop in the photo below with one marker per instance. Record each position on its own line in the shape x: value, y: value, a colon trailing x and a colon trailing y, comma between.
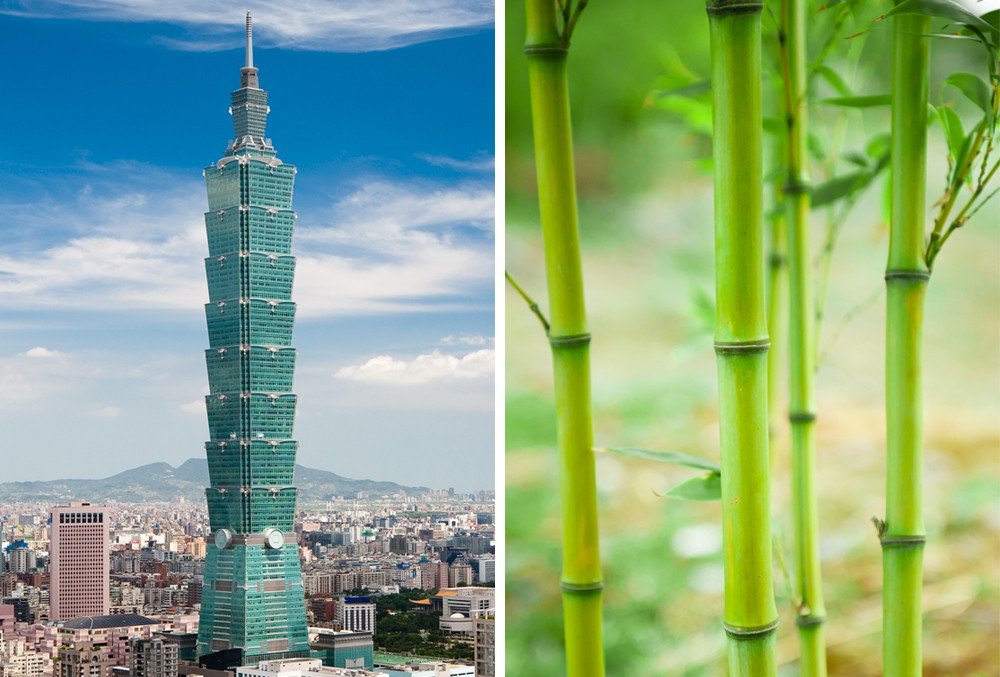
x: 107, y: 622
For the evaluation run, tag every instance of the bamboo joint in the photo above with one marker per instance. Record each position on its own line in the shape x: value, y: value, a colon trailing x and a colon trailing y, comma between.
x: 903, y: 541
x: 915, y: 275
x: 809, y: 620
x: 742, y: 347
x: 569, y: 340
x: 723, y: 7
x: 741, y: 632
x: 552, y: 50
x: 581, y: 588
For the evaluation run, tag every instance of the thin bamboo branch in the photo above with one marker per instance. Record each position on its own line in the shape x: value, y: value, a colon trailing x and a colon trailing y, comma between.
x: 532, y: 304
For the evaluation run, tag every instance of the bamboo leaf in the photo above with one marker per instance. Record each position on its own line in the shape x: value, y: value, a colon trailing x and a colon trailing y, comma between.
x: 834, y: 79
x: 773, y: 125
x: 868, y: 101
x: 953, y: 132
x: 707, y: 488
x: 839, y: 187
x: 878, y: 146
x: 815, y: 146
x: 671, y: 457
x: 975, y: 90
x: 963, y: 153
x: 859, y: 159
x: 941, y: 9
x: 697, y: 114
x: 693, y: 89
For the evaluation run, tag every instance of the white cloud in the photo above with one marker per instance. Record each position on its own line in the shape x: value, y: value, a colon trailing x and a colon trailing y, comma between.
x: 468, y: 340
x: 38, y: 352
x: 391, y: 247
x: 195, y: 407
x: 426, y: 368
x: 321, y: 25
x: 481, y: 163
x: 34, y: 374
x: 108, y: 412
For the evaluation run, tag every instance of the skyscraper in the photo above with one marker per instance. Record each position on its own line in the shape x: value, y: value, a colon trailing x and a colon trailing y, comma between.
x: 253, y: 605
x: 80, y: 568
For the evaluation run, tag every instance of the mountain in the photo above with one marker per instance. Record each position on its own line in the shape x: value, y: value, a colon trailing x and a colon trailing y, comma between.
x: 162, y: 482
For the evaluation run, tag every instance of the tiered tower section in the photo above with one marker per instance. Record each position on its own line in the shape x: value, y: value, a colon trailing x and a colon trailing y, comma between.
x: 253, y: 605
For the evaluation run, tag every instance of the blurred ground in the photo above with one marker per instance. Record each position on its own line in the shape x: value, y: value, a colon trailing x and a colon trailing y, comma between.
x: 647, y: 237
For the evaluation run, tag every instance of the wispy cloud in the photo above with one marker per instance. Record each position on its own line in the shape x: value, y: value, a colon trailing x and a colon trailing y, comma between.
x: 426, y: 368
x: 194, y: 407
x: 480, y: 163
x: 468, y: 340
x: 390, y: 246
x: 320, y: 25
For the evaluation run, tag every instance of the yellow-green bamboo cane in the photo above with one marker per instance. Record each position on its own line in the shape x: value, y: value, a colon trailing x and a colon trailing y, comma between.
x: 741, y: 341
x: 777, y: 316
x: 569, y: 336
x: 902, y: 533
x: 801, y: 348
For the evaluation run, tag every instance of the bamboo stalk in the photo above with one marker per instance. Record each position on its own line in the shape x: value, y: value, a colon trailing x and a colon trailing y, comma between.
x: 546, y: 49
x: 801, y: 349
x: 902, y: 533
x: 777, y: 315
x: 750, y: 617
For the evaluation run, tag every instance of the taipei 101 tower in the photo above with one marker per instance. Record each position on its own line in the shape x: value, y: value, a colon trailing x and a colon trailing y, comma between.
x: 253, y: 606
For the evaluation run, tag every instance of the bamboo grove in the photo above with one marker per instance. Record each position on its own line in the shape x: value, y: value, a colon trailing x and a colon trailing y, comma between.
x: 771, y: 284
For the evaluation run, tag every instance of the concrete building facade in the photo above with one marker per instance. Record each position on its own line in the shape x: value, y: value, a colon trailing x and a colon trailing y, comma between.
x: 80, y: 561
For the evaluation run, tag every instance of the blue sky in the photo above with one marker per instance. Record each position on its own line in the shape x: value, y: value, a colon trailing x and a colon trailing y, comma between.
x: 112, y: 109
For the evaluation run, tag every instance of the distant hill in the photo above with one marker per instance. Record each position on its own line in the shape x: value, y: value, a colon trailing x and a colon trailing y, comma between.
x: 162, y: 482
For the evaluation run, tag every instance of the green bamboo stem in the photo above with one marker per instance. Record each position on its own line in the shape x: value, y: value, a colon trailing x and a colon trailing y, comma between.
x: 546, y: 48
x: 801, y: 350
x: 902, y: 534
x: 777, y: 314
x: 750, y: 616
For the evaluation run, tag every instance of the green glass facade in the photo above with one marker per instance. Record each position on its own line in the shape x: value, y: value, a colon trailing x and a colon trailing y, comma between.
x: 253, y: 604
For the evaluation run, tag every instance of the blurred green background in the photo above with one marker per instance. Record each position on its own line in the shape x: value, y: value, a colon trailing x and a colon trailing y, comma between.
x: 646, y: 225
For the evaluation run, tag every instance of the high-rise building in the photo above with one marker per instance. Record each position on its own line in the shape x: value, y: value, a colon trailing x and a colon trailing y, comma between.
x: 253, y: 605
x: 153, y: 657
x: 80, y: 561
x: 487, y: 569
x: 21, y: 559
x: 356, y: 613
x: 484, y: 629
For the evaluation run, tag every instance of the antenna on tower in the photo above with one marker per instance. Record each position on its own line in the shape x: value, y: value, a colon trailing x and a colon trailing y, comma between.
x: 249, y: 40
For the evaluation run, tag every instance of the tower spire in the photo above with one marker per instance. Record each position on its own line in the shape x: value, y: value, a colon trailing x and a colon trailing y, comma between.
x: 249, y: 72
x: 249, y: 40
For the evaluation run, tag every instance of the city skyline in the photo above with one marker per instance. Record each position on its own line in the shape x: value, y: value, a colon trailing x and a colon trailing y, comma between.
x: 101, y: 284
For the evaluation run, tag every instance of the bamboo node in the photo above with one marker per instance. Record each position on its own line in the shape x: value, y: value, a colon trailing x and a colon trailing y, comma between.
x: 723, y: 7
x: 917, y: 275
x: 809, y: 620
x: 582, y: 588
x: 801, y: 416
x: 551, y: 50
x: 742, y: 347
x: 740, y: 632
x: 903, y: 541
x: 796, y: 187
x: 572, y: 339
